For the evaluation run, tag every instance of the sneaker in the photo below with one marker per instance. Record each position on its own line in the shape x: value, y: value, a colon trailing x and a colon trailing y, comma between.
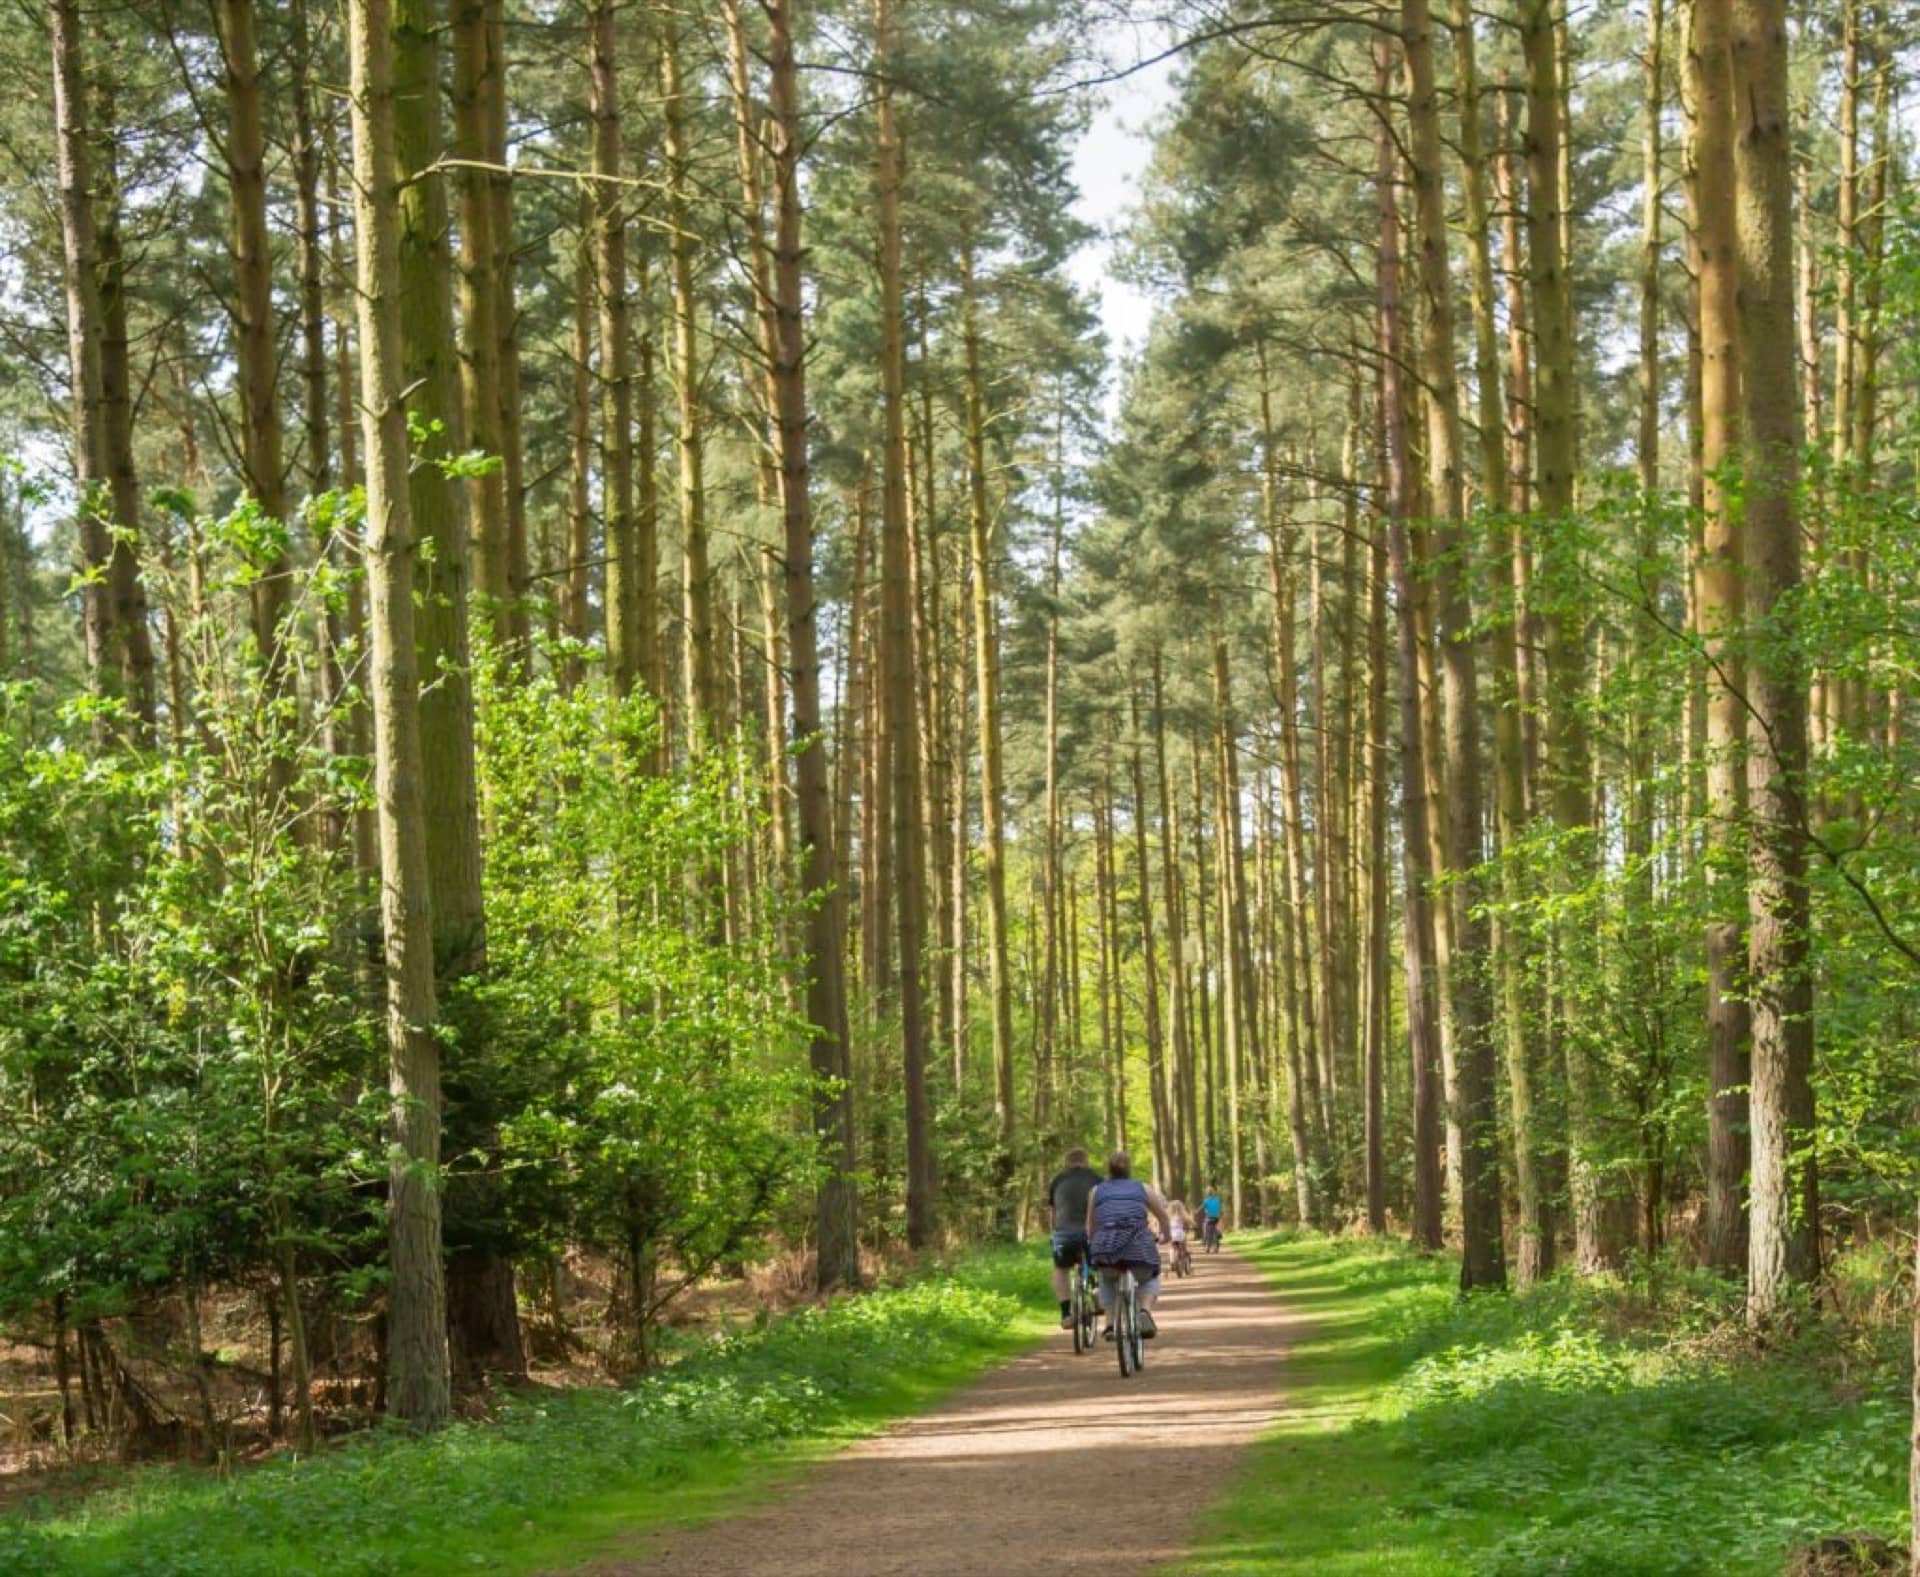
x: 1148, y: 1330
x: 1066, y: 1322
x: 1107, y: 1334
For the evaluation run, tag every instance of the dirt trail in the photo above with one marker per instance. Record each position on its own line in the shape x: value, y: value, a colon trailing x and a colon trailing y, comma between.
x: 1051, y: 1466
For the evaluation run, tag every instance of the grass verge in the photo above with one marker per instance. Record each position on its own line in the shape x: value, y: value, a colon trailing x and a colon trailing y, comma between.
x: 1617, y: 1429
x: 555, y: 1478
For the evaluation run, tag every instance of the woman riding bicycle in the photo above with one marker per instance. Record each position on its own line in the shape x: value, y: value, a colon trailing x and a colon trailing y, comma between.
x: 1117, y: 1213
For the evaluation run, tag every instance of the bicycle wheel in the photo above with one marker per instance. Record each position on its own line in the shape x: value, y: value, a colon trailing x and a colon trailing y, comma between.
x: 1089, y: 1311
x: 1126, y: 1335
x: 1078, y: 1310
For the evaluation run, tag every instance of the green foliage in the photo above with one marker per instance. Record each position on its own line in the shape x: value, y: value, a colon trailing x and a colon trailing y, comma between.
x: 637, y: 1056
x: 1616, y: 1427
x: 482, y: 1496
x: 183, y: 1025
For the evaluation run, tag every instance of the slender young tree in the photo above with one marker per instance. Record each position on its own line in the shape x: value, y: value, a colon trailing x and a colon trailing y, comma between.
x: 119, y: 652
x: 1422, y: 1028
x: 902, y: 728
x: 986, y: 684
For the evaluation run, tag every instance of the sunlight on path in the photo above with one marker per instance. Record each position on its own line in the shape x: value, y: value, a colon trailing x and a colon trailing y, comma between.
x: 1051, y: 1466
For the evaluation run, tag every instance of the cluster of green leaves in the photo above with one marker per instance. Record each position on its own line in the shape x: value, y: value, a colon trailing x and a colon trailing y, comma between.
x: 483, y: 1496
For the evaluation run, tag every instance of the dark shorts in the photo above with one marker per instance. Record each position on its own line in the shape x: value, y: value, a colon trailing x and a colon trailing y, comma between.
x: 1069, y: 1248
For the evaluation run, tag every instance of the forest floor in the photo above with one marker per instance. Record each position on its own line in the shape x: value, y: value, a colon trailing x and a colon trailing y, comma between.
x: 1625, y: 1427
x: 1050, y: 1466
x: 1315, y: 1406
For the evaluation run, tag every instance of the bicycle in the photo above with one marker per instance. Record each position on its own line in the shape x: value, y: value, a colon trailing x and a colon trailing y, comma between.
x: 1125, y: 1321
x: 1182, y: 1258
x: 1212, y: 1235
x: 1085, y: 1308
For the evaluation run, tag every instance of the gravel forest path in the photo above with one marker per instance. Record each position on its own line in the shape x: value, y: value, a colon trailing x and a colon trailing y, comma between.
x: 1049, y: 1466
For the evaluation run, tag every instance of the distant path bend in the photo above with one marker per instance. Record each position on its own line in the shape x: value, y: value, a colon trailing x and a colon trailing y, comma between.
x: 1049, y: 1466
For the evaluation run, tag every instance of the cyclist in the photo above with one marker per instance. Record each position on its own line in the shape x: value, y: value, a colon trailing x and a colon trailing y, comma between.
x: 1121, y: 1240
x: 1177, y: 1236
x: 1067, y: 1194
x: 1210, y: 1209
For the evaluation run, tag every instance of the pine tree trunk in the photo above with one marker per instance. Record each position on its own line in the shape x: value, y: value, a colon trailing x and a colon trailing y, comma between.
x: 1647, y: 445
x: 1163, y: 1139
x: 702, y: 684
x: 986, y: 642
x: 1511, y: 201
x: 630, y: 656
x: 112, y: 668
x: 256, y: 358
x: 1422, y: 1028
x: 1846, y: 245
x: 1243, y: 1047
x: 418, y: 1385
x: 1280, y: 556
x: 506, y: 319
x: 1567, y: 749
x: 1046, y: 1015
x: 481, y: 403
x: 1379, y: 945
x: 902, y: 730
x: 1479, y: 225
x: 479, y: 1285
x: 1482, y: 1263
x: 575, y: 609
x: 1719, y: 597
x: 124, y: 586
x: 1783, y: 1217
x: 1179, y: 1071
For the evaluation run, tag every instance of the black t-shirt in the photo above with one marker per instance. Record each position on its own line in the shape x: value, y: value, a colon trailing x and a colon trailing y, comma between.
x: 1068, y: 1194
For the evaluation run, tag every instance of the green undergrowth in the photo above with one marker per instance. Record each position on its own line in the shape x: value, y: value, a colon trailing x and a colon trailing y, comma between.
x: 556, y: 1477
x: 1622, y: 1428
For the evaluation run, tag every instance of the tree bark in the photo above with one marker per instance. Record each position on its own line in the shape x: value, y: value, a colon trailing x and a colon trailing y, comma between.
x: 110, y: 594
x: 902, y: 730
x: 1568, y: 751
x: 1647, y: 442
x: 986, y: 678
x: 1479, y: 226
x: 1164, y: 1144
x: 1719, y: 598
x: 1483, y: 1261
x: 1422, y: 1029
x: 256, y: 358
x: 474, y: 66
x: 702, y: 685
x: 418, y: 1385
x: 630, y: 653
x: 833, y: 1114
x: 1782, y: 1212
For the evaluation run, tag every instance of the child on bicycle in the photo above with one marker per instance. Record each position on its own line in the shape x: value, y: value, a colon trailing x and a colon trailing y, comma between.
x: 1179, y: 1221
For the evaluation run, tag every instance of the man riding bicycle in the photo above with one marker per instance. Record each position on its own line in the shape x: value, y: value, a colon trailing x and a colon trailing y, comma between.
x: 1068, y: 1194
x: 1117, y: 1213
x: 1210, y: 1209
